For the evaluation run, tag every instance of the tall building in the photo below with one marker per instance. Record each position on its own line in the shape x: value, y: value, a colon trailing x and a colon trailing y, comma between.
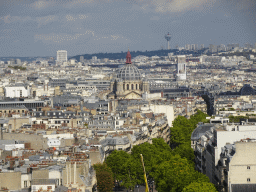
x: 212, y: 48
x: 181, y: 67
x: 187, y: 47
x: 18, y: 61
x: 62, y: 56
x: 81, y: 58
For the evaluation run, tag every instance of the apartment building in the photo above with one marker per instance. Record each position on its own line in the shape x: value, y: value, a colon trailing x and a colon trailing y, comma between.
x: 208, y: 142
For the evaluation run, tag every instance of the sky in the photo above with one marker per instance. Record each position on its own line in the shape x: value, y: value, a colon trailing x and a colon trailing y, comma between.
x: 41, y: 27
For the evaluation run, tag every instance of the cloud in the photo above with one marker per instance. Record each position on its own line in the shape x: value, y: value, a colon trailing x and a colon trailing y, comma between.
x: 45, y: 20
x: 82, y: 16
x: 76, y: 17
x: 42, y: 4
x: 10, y: 19
x: 163, y: 6
x: 154, y: 18
x: 110, y: 38
x: 70, y: 18
x: 74, y: 3
x: 62, y: 37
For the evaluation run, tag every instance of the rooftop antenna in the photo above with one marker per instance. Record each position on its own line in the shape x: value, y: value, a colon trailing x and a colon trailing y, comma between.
x: 168, y: 38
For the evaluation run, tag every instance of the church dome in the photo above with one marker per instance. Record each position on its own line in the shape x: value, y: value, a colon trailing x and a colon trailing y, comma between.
x: 129, y: 72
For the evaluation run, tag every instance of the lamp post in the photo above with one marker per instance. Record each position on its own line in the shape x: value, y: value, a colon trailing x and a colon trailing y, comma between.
x: 138, y: 187
x: 151, y: 184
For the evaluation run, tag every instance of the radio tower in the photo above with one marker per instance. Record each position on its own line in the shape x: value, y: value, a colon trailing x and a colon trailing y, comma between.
x: 168, y: 38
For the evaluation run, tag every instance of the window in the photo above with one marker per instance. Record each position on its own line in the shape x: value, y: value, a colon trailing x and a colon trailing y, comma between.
x: 248, y: 179
x: 248, y: 167
x: 132, y: 86
x: 25, y: 184
x: 127, y: 86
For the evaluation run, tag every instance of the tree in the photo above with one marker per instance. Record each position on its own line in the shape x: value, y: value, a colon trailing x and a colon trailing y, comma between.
x: 199, y: 177
x: 200, y: 187
x: 133, y: 174
x: 185, y: 150
x: 125, y: 168
x: 153, y: 154
x: 174, y: 175
x: 183, y: 128
x: 104, y: 176
x: 116, y: 161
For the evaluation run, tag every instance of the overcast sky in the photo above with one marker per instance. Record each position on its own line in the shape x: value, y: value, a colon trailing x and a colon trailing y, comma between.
x: 40, y: 28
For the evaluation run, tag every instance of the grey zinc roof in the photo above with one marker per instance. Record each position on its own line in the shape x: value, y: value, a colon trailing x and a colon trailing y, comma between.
x: 200, y: 130
x: 43, y: 181
x: 115, y: 141
x: 243, y: 187
x: 129, y: 72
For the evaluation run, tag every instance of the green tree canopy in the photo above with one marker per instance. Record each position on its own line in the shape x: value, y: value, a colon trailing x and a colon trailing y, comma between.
x: 125, y: 168
x: 104, y: 176
x: 153, y: 154
x: 200, y: 187
x: 182, y: 128
x: 185, y: 150
x: 116, y: 161
x: 133, y: 173
x: 174, y: 175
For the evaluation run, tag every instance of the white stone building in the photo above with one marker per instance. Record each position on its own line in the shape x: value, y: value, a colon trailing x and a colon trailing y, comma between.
x: 17, y: 91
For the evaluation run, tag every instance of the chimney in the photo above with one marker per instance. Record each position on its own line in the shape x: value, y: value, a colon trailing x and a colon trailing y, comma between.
x: 12, y: 163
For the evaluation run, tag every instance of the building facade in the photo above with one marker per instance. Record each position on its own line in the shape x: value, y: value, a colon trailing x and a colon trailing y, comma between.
x: 62, y: 56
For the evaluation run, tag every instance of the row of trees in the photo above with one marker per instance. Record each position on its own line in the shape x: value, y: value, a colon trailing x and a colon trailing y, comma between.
x: 171, y: 168
x: 18, y: 67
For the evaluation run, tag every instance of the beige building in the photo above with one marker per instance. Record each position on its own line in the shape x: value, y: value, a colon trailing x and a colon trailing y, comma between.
x: 237, y: 167
x: 223, y: 162
x: 10, y: 180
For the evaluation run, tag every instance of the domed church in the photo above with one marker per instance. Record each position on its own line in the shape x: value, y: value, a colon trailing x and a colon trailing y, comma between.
x: 129, y: 83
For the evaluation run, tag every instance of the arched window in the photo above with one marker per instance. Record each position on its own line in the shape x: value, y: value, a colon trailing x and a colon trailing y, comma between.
x: 123, y: 86
x: 127, y: 86
x: 132, y: 86
x: 136, y: 86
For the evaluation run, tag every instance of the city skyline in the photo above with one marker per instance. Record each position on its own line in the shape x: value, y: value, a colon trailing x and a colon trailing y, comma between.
x: 40, y: 28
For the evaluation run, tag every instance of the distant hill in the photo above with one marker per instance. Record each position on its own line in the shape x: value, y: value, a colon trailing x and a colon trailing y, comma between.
x: 115, y: 56
x: 122, y: 55
x: 29, y: 59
